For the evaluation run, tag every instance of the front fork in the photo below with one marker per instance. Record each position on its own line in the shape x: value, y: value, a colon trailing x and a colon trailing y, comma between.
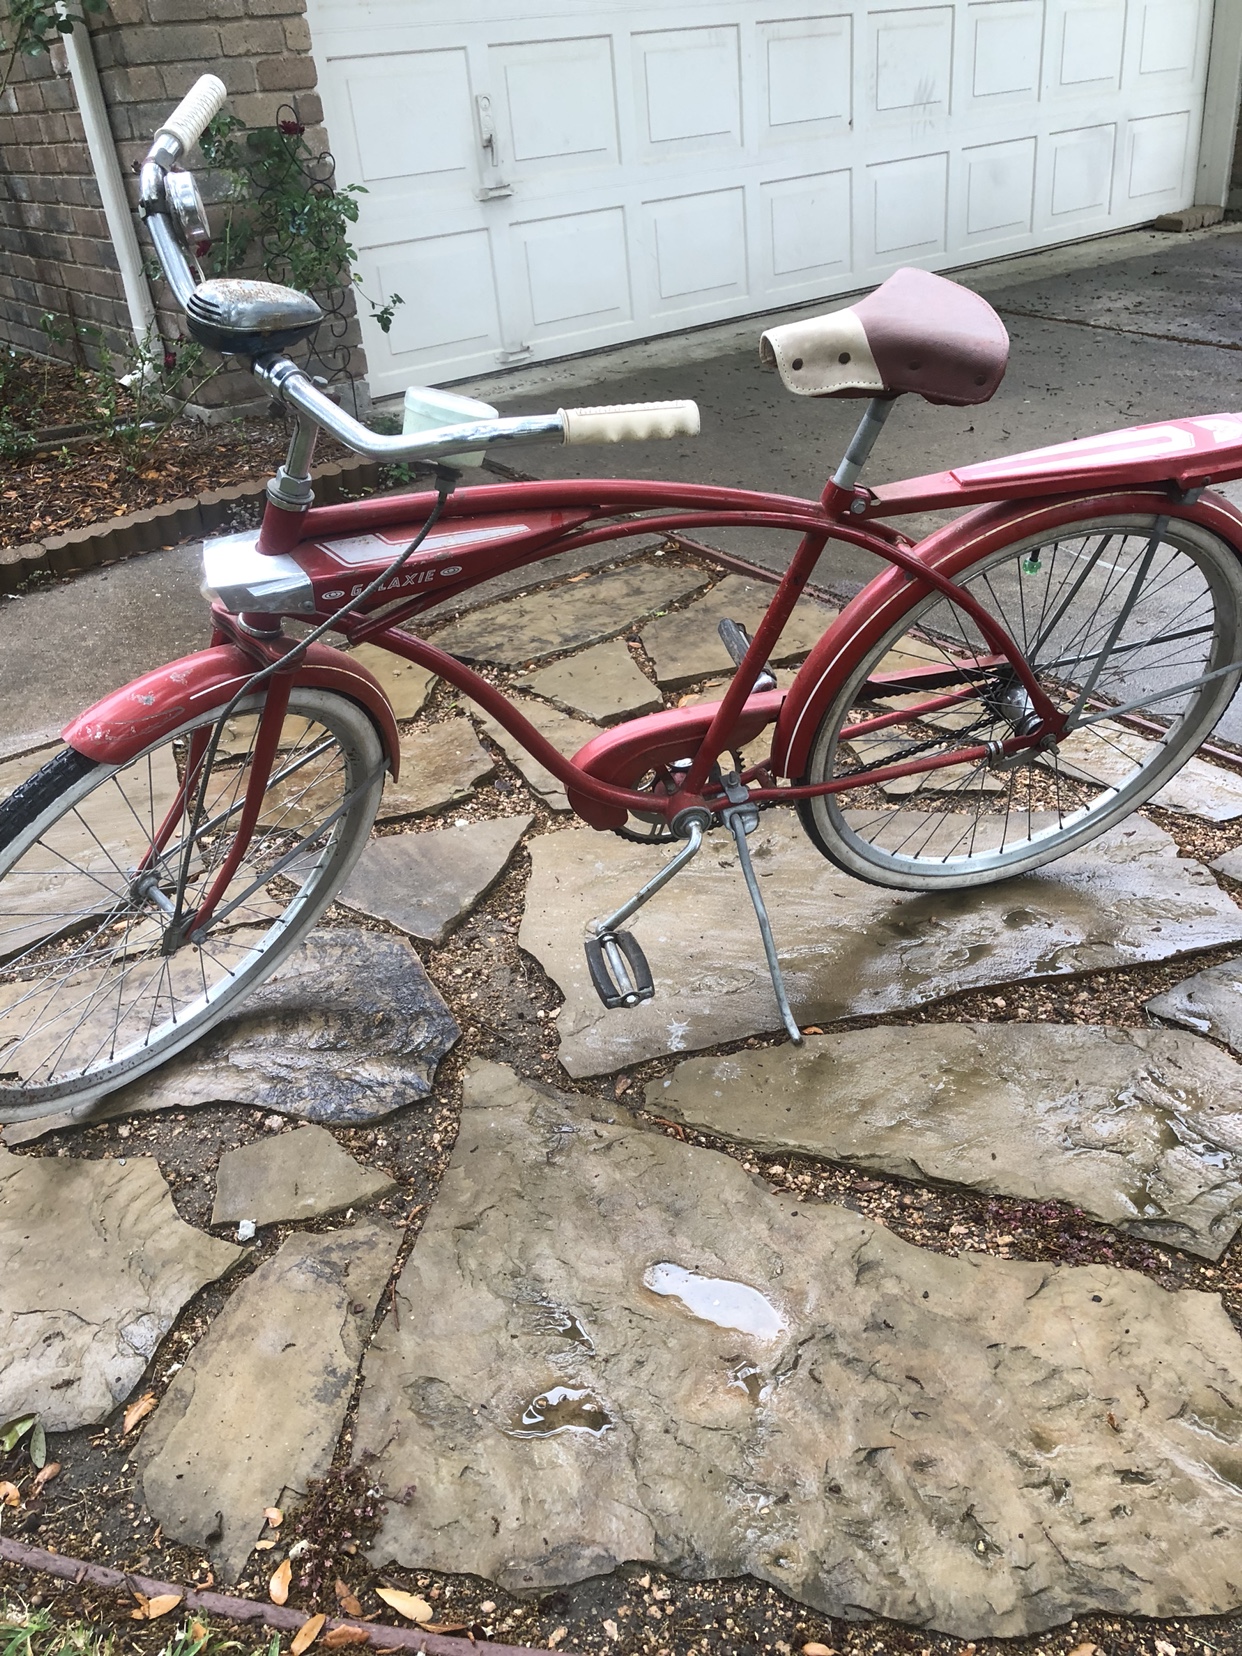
x: 187, y: 926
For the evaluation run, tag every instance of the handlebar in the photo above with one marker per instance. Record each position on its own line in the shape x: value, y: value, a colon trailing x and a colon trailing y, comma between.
x: 624, y: 423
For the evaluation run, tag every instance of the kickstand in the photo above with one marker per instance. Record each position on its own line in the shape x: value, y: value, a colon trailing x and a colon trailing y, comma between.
x: 743, y: 818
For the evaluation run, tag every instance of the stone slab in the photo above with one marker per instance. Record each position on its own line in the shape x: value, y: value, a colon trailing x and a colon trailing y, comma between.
x: 405, y: 683
x: 426, y: 883
x: 847, y: 949
x: 586, y: 610
x: 616, y: 1347
x: 256, y: 1411
x: 96, y: 1267
x: 1230, y: 864
x: 349, y: 1029
x: 686, y: 646
x: 602, y: 683
x: 440, y: 764
x: 300, y: 1175
x: 566, y: 735
x: 1210, y: 1003
x: 1107, y: 752
x: 1141, y: 1128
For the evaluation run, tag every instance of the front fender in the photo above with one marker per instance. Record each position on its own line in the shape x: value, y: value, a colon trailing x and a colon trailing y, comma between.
x: 950, y: 551
x: 128, y: 721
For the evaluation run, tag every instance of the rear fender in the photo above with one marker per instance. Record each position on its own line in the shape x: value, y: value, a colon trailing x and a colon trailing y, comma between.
x: 622, y: 756
x: 950, y: 551
x: 124, y: 724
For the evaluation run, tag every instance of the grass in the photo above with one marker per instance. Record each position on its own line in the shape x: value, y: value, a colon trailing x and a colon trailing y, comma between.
x: 38, y: 1632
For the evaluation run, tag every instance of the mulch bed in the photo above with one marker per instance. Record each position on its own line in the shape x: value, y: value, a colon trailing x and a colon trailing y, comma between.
x: 73, y: 480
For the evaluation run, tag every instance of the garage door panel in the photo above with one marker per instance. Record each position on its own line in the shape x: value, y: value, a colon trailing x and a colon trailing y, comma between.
x: 1004, y: 43
x: 689, y: 90
x: 911, y: 61
x: 1168, y: 32
x: 1158, y: 154
x: 998, y: 191
x: 575, y: 276
x: 1091, y: 38
x: 807, y: 231
x: 450, y: 312
x: 808, y: 67
x: 1080, y: 172
x: 659, y: 166
x: 697, y: 259
x: 560, y: 101
x: 909, y: 208
x: 410, y: 117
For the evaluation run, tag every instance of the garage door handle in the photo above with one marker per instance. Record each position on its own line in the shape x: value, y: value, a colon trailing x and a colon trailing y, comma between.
x: 493, y: 184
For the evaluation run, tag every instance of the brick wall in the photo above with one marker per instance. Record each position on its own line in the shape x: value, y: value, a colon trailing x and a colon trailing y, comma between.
x: 55, y: 253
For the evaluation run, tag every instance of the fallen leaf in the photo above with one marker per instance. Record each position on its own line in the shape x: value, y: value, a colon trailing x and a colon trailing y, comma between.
x: 345, y: 1598
x: 137, y: 1411
x: 1084, y: 1650
x: 555, y: 1638
x: 150, y: 1608
x: 38, y: 1445
x: 341, y: 1636
x: 306, y: 1635
x: 14, y: 1431
x: 447, y: 1627
x: 278, y: 1586
x: 264, y: 1546
x: 197, y: 1630
x: 1112, y: 1421
x: 1164, y: 1648
x: 406, y: 1604
x: 274, y: 1516
x: 812, y: 1029
x: 814, y: 1648
x: 45, y: 1475
x: 10, y: 1494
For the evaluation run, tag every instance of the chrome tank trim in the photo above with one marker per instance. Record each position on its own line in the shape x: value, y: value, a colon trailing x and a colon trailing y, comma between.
x: 241, y: 578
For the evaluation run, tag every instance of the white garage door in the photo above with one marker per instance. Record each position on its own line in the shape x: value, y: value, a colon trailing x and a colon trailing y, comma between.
x: 544, y: 185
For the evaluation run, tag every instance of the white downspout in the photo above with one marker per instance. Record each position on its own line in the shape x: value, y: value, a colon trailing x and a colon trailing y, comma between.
x: 120, y: 219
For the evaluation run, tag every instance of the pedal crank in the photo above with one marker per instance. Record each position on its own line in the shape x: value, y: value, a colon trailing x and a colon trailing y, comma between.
x: 619, y: 969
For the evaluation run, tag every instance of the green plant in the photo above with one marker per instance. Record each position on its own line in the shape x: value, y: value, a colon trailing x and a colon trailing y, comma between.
x: 283, y: 212
x: 13, y: 1431
x: 34, y: 26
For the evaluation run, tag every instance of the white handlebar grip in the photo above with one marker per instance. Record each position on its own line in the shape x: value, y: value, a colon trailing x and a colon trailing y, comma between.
x: 630, y: 422
x: 202, y: 103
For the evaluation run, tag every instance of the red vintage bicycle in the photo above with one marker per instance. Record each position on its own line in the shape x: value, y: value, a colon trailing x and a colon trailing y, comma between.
x: 1001, y: 693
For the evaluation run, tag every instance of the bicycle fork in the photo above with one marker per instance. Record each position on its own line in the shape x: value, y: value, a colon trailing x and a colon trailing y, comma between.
x: 615, y: 959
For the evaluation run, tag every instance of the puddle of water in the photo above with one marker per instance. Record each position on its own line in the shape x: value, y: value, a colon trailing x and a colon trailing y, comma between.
x: 717, y: 1300
x: 562, y: 1409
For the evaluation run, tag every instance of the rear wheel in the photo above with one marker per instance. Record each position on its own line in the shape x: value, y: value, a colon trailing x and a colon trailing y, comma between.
x: 1123, y: 621
x: 95, y: 986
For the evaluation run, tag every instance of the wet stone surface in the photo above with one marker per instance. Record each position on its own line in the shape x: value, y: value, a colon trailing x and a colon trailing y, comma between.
x: 847, y: 949
x: 425, y: 883
x: 613, y: 1346
x: 1107, y: 752
x: 687, y: 646
x: 566, y: 734
x: 95, y: 1267
x: 1210, y: 1003
x: 602, y: 684
x: 300, y: 1175
x: 440, y: 764
x: 347, y: 1030
x: 541, y: 624
x: 1140, y: 1128
x: 257, y: 1409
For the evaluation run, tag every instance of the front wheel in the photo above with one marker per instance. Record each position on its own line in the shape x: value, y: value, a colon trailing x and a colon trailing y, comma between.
x: 1124, y: 620
x: 95, y: 989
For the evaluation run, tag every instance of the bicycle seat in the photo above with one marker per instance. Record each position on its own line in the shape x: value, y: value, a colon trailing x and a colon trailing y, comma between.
x: 916, y: 332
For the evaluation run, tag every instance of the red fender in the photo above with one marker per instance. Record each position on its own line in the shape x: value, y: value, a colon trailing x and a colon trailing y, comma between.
x: 950, y: 550
x: 122, y: 725
x: 622, y: 756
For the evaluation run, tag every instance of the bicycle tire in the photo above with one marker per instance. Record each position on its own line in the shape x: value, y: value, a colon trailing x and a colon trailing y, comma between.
x: 80, y: 945
x: 1061, y: 596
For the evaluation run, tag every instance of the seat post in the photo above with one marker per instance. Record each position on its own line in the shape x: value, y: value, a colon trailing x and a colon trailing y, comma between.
x: 861, y: 445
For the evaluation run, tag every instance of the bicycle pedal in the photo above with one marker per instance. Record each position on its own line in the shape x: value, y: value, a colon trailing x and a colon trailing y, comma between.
x: 619, y: 969
x: 737, y: 641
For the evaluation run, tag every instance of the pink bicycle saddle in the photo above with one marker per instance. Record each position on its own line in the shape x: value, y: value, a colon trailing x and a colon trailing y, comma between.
x: 916, y: 332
